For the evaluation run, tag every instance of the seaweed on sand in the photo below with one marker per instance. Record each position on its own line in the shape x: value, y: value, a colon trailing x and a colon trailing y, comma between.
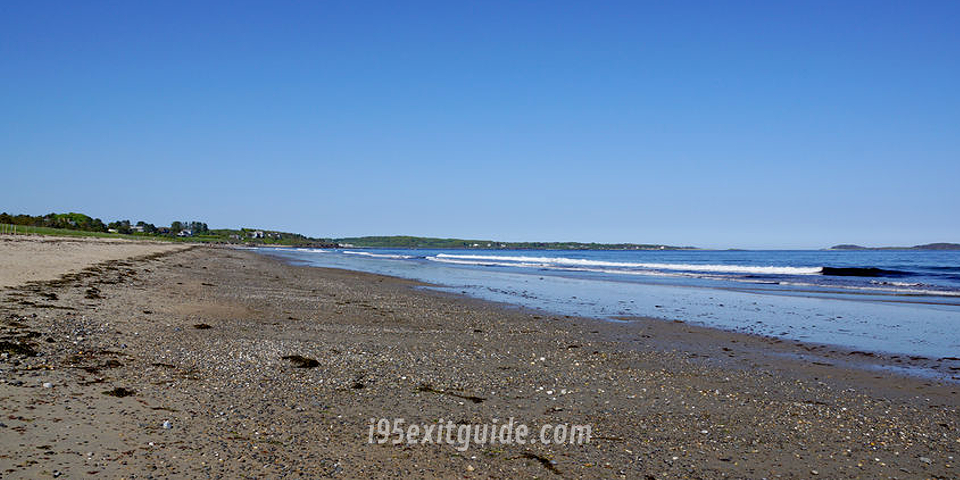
x: 302, y: 362
x: 17, y: 348
x: 427, y: 388
x: 120, y: 392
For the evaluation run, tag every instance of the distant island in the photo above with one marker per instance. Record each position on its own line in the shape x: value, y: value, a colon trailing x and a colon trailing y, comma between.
x: 401, y: 241
x: 78, y: 224
x: 929, y: 246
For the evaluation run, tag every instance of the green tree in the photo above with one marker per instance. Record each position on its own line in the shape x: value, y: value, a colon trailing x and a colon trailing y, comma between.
x: 147, y: 227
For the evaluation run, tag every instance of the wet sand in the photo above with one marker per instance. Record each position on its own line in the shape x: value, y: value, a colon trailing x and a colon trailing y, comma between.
x: 197, y: 339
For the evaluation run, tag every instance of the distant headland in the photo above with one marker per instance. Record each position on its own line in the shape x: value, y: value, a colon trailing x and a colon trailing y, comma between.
x: 928, y: 246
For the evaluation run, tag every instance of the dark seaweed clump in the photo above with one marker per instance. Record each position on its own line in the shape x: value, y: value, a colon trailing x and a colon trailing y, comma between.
x: 202, y: 326
x: 120, y: 392
x: 428, y: 388
x: 17, y: 348
x: 302, y: 362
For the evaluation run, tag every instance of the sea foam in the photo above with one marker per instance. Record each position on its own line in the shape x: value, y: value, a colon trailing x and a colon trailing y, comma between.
x: 379, y: 255
x: 548, y: 262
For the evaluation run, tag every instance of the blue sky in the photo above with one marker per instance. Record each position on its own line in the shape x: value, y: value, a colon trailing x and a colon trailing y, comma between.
x: 716, y: 124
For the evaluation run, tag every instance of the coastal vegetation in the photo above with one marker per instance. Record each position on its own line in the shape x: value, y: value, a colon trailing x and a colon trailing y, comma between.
x: 78, y: 224
x: 402, y: 241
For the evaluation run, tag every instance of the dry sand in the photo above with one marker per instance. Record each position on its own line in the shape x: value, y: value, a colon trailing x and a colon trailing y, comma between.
x: 28, y: 258
x: 665, y: 400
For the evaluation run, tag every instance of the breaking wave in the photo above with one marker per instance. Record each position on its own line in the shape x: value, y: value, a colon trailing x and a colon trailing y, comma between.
x: 379, y: 255
x: 629, y: 267
x: 563, y: 262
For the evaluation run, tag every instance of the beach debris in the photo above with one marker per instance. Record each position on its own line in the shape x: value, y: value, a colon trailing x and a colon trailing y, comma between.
x: 111, y: 363
x: 120, y: 392
x: 299, y: 361
x: 550, y: 465
x: 17, y: 348
x: 167, y: 425
x: 47, y: 385
x: 428, y: 388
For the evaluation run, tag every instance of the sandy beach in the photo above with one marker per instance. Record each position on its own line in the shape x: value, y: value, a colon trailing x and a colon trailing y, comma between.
x: 154, y: 360
x: 30, y: 258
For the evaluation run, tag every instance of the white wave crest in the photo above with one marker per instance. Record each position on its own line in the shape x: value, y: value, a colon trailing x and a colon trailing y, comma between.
x: 486, y: 263
x: 491, y: 263
x: 379, y: 255
x: 681, y: 267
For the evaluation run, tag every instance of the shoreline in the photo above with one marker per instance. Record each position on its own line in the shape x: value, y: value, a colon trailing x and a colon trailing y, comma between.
x: 944, y: 369
x: 907, y: 327
x: 873, y: 370
x: 705, y: 341
x: 238, y: 409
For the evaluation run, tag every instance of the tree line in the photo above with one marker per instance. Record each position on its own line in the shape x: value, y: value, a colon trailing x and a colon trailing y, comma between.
x: 79, y: 221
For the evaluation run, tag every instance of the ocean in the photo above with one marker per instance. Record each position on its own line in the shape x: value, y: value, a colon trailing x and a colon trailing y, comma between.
x: 889, y: 301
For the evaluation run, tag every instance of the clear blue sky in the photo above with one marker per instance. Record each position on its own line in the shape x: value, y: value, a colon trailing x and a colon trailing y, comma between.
x: 717, y: 124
